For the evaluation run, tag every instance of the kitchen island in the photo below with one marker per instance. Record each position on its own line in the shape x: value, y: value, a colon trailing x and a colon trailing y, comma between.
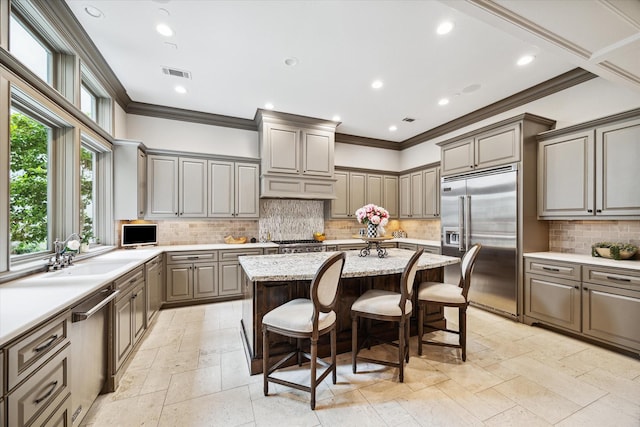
x: 271, y: 280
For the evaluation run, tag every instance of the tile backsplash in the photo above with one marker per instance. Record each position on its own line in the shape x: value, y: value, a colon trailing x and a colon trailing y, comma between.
x: 578, y: 236
x: 285, y: 219
x: 422, y: 229
x: 203, y: 231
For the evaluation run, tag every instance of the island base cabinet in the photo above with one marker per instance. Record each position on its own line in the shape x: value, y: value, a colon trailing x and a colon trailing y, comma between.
x: 612, y: 314
x: 552, y: 300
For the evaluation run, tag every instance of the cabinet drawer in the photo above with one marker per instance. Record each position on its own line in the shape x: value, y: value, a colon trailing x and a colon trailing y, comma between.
x: 41, y: 393
x: 129, y: 279
x: 431, y: 249
x: 352, y: 247
x: 58, y: 417
x: 25, y: 356
x: 181, y: 257
x: 408, y: 246
x: 612, y: 276
x: 553, y: 268
x: 233, y: 255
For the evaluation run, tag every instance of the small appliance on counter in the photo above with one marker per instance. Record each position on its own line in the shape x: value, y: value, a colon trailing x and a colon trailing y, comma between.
x: 134, y: 235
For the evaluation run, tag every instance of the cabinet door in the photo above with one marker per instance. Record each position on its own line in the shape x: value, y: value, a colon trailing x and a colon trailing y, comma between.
x: 375, y: 189
x: 282, y: 149
x: 230, y: 282
x: 566, y: 176
x: 247, y: 190
x: 611, y: 314
x: 139, y: 312
x: 179, y: 282
x: 205, y: 280
x: 405, y: 196
x: 142, y: 182
x: 221, y: 189
x: 317, y: 152
x: 554, y: 301
x: 458, y: 157
x: 617, y: 154
x: 193, y: 187
x: 162, y: 193
x: 357, y: 189
x: 497, y: 147
x: 431, y: 192
x: 123, y: 329
x: 153, y: 292
x: 340, y: 205
x: 416, y: 195
x: 390, y: 201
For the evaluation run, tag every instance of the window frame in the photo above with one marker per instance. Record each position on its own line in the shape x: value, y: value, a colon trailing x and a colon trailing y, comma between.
x: 103, y: 102
x: 27, y: 27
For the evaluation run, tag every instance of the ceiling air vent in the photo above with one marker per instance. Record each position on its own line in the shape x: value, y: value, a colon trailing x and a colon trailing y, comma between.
x: 408, y: 120
x: 176, y: 73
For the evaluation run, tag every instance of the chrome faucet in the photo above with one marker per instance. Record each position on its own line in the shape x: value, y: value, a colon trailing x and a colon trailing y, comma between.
x: 59, y: 259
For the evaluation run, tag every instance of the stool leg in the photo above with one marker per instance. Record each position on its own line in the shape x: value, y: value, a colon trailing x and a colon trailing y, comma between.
x: 265, y: 360
x: 354, y: 341
x: 299, y: 350
x: 314, y: 379
x: 333, y: 353
x: 401, y: 349
x: 420, y: 326
x: 462, y: 321
x: 407, y: 333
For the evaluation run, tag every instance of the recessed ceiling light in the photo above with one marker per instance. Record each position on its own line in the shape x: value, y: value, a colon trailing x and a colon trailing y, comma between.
x: 443, y: 101
x: 526, y: 59
x: 180, y: 89
x: 164, y: 29
x: 171, y: 45
x: 377, y: 84
x: 93, y: 12
x: 268, y: 106
x: 336, y: 118
x: 291, y: 62
x: 444, y: 28
x: 393, y: 128
x: 163, y: 11
x: 471, y: 88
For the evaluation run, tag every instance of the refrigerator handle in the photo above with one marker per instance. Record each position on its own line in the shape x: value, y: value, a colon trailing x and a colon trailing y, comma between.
x: 461, y: 224
x: 467, y: 224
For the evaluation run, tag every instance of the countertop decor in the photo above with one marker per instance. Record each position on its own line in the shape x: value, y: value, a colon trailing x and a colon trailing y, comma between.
x: 373, y: 217
x: 612, y: 250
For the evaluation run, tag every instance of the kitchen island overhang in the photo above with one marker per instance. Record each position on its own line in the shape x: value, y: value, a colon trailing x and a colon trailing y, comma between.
x: 269, y: 281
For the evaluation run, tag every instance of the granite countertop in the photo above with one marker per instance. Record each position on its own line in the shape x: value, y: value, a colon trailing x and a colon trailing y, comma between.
x: 585, y: 259
x: 304, y: 266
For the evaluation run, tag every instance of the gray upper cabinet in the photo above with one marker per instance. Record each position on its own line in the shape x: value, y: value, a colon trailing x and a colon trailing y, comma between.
x: 162, y: 198
x: 565, y: 176
x: 193, y: 187
x: 420, y: 194
x: 355, y: 189
x: 130, y: 183
x: 492, y: 148
x: 297, y: 156
x: 584, y: 171
x: 233, y: 189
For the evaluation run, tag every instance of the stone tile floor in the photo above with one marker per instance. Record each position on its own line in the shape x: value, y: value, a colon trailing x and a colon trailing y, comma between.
x: 190, y: 370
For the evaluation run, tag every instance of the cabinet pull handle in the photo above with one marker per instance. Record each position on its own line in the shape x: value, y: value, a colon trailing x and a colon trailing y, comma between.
x: 576, y: 287
x: 585, y: 289
x: 619, y: 279
x: 599, y: 210
x: 590, y: 210
x: 46, y: 345
x: 193, y: 257
x: 52, y: 386
x: 557, y: 270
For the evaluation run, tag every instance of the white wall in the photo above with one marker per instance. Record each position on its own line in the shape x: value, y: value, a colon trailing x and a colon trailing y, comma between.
x: 587, y: 101
x: 119, y: 122
x: 356, y: 156
x: 165, y: 134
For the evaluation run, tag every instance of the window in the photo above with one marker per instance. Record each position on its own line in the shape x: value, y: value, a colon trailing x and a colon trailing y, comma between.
x: 88, y: 102
x: 30, y: 50
x: 94, y: 100
x: 29, y: 189
x: 87, y: 195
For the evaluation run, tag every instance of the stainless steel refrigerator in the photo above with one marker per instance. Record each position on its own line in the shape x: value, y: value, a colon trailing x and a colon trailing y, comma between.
x: 482, y: 207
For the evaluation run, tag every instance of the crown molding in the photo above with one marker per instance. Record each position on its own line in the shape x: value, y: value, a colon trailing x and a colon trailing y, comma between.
x: 591, y: 124
x: 546, y: 88
x: 171, y: 113
x: 367, y: 142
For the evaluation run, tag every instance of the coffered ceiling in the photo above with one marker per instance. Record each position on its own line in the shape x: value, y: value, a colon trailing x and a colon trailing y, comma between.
x: 320, y: 58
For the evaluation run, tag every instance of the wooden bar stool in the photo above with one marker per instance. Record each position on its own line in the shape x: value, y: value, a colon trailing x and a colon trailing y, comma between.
x: 448, y: 295
x: 389, y: 306
x: 306, y: 318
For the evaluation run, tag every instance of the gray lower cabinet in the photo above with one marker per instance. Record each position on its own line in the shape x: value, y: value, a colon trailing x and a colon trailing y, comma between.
x: 595, y: 302
x: 191, y: 275
x: 230, y: 271
x: 153, y: 294
x: 129, y: 321
x: 427, y: 249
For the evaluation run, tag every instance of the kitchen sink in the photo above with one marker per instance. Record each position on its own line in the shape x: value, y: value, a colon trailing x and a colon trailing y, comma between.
x: 91, y: 268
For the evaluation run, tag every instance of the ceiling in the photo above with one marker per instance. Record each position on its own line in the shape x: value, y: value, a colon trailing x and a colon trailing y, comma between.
x: 235, y: 52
